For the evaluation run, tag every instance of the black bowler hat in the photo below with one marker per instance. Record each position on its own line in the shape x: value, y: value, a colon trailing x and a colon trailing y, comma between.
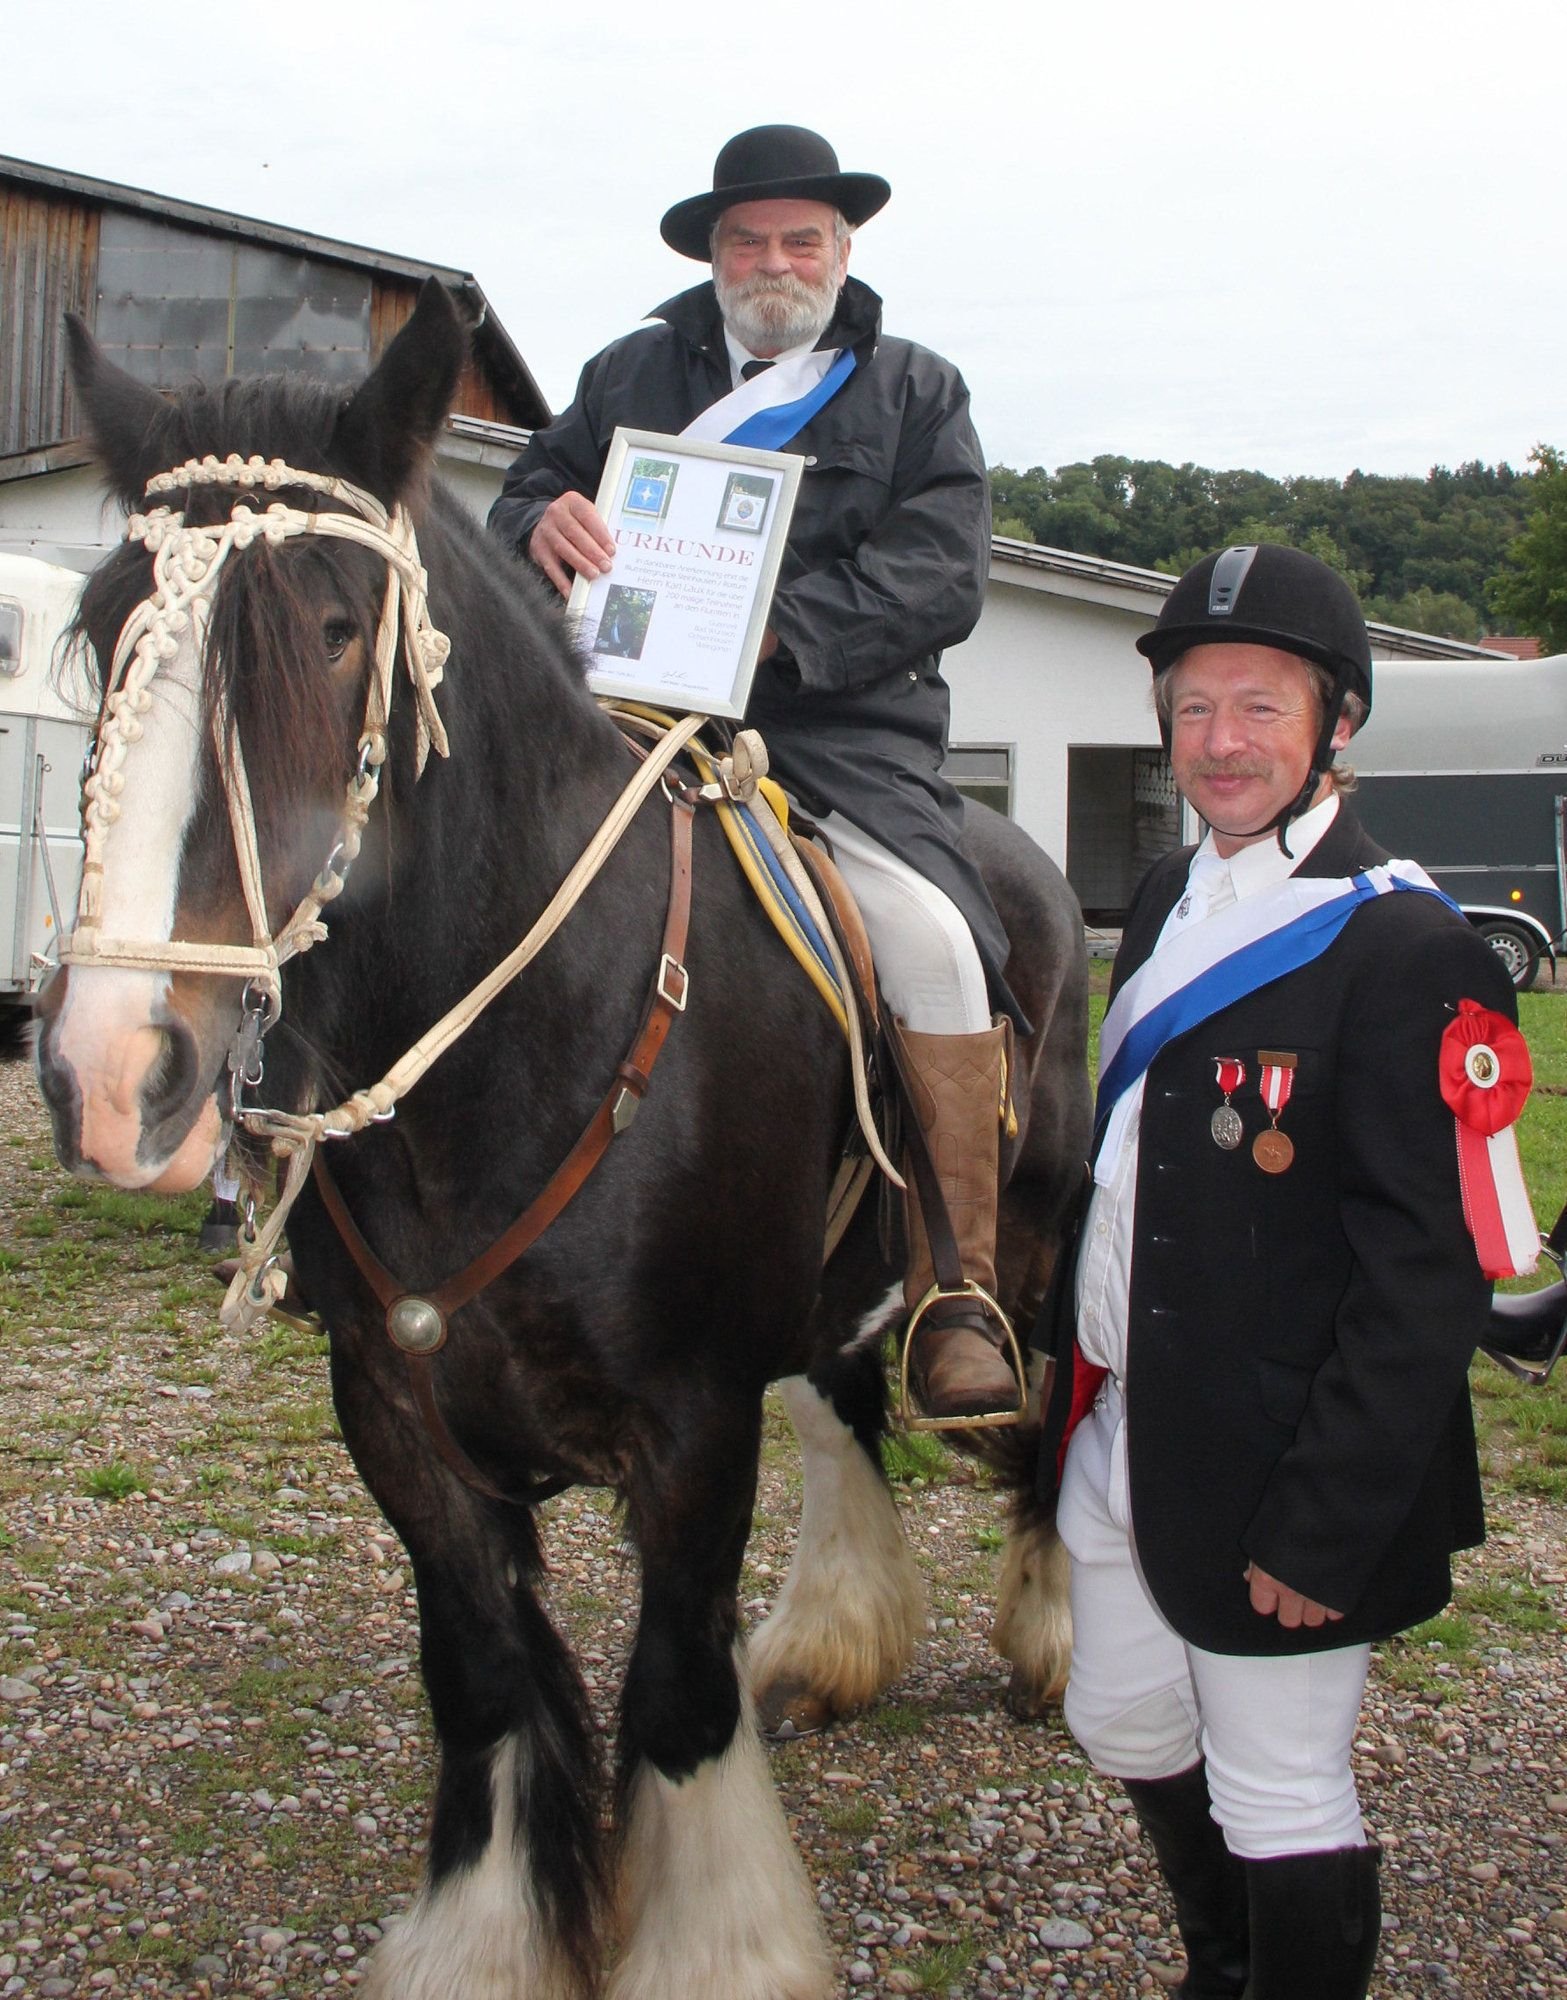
x: 771, y: 163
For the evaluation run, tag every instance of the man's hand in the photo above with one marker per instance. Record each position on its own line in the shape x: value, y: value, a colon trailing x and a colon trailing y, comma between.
x: 1272, y: 1599
x: 571, y: 534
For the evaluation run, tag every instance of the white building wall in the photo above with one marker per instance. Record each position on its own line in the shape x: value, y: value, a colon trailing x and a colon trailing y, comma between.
x: 62, y: 517
x: 1047, y: 673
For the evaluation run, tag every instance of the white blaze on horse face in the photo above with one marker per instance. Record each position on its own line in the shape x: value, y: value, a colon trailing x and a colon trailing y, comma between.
x: 109, y: 1029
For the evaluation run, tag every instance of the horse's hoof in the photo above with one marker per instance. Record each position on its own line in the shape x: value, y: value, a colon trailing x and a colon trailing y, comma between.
x: 789, y: 1709
x: 1030, y: 1703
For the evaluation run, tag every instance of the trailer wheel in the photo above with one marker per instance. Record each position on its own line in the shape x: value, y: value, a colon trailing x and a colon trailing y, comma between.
x: 1516, y: 947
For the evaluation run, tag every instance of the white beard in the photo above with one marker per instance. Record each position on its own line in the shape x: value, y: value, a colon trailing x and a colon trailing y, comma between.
x: 776, y: 312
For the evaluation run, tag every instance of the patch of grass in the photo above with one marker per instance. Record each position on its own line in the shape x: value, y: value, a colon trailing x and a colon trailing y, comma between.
x: 941, y: 1967
x: 910, y: 1455
x: 117, y: 1479
x: 896, y: 1720
x: 1450, y: 1631
x: 1410, y: 1662
x: 144, y: 1214
x: 1549, y: 1482
x: 1510, y: 1602
x: 854, y: 1818
x: 989, y: 1538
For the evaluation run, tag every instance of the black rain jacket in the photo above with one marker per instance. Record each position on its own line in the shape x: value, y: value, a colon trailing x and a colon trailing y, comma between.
x: 886, y: 565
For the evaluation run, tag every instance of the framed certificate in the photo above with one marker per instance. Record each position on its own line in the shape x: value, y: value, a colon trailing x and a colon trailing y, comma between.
x: 699, y: 533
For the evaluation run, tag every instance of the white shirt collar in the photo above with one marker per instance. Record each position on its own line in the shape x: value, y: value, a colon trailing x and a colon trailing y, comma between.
x: 1264, y: 864
x: 739, y: 356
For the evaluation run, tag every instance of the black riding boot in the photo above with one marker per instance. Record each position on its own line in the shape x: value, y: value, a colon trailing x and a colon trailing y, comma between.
x: 1207, y: 1881
x: 1316, y: 1925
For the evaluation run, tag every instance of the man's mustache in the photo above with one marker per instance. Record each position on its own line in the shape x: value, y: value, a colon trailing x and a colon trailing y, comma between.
x: 784, y: 286
x: 1218, y: 767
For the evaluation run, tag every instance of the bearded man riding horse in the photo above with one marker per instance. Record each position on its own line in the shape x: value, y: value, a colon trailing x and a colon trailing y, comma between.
x: 886, y: 564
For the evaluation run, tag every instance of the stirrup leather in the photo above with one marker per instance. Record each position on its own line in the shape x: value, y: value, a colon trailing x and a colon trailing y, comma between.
x: 913, y: 1419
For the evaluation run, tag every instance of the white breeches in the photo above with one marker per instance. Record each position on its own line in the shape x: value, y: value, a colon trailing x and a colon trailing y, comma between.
x: 926, y: 958
x: 1276, y: 1732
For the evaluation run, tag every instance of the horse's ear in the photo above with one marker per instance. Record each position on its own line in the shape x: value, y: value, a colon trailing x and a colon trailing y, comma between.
x: 385, y: 434
x: 126, y: 420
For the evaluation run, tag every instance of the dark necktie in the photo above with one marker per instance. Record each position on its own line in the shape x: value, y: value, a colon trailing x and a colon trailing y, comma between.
x: 749, y: 370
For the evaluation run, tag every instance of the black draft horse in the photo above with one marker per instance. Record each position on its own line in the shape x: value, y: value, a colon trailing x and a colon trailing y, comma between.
x: 631, y: 1345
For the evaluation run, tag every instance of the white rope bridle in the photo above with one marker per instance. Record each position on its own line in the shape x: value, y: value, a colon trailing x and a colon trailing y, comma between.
x: 187, y: 561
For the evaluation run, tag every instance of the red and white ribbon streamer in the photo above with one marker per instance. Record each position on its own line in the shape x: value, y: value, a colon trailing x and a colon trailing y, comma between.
x: 1277, y: 1083
x: 1485, y: 1075
x: 1496, y: 1202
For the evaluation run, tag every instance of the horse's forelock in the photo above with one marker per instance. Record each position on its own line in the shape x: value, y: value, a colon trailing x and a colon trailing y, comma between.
x: 268, y: 677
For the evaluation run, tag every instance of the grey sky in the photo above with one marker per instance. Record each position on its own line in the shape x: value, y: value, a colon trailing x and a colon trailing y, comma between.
x: 1297, y: 239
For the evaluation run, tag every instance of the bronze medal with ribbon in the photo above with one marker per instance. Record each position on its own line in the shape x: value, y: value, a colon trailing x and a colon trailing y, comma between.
x: 1229, y: 1073
x: 1272, y: 1149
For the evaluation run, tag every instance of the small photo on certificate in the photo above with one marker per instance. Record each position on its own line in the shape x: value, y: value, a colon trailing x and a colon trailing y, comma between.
x: 746, y: 501
x: 623, y: 623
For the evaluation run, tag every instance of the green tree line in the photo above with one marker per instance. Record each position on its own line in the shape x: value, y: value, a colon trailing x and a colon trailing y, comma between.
x: 1462, y: 553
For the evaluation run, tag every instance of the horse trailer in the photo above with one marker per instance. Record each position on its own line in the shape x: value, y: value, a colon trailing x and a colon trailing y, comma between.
x: 1463, y: 768
x: 45, y: 728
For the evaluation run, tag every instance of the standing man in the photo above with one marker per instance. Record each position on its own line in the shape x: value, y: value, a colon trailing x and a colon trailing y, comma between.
x: 1303, y: 1183
x: 886, y: 565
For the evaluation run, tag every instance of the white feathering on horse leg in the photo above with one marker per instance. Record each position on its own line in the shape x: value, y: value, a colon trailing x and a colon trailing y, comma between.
x: 714, y: 1901
x: 476, y: 1934
x: 1033, y: 1627
x: 852, y: 1608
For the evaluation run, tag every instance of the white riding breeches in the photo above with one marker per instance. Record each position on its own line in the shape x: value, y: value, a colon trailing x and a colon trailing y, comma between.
x: 926, y: 958
x: 1276, y: 1732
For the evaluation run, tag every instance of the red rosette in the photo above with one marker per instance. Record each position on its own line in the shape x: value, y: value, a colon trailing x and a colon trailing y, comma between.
x: 1484, y: 1068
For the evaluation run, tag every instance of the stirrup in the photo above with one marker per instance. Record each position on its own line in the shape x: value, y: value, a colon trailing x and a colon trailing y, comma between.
x: 913, y: 1419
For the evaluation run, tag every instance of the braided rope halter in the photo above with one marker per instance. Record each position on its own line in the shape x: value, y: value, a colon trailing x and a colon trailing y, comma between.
x: 187, y: 561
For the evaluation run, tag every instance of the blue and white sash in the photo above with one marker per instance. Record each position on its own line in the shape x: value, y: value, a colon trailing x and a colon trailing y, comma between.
x: 1199, y: 972
x: 777, y: 404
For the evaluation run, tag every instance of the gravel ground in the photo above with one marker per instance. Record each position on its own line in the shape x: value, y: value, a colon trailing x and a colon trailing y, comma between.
x: 213, y: 1750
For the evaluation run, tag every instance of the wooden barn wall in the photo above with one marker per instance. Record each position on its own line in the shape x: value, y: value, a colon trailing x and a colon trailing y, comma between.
x: 48, y: 265
x: 142, y: 284
x: 391, y: 304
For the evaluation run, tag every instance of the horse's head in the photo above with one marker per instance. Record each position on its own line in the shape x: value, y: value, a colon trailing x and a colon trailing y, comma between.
x: 247, y: 637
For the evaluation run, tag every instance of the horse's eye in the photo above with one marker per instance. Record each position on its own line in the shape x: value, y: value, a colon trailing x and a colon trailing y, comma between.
x: 337, y: 636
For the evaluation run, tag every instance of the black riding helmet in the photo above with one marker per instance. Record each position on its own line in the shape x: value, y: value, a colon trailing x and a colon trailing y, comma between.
x: 1267, y: 594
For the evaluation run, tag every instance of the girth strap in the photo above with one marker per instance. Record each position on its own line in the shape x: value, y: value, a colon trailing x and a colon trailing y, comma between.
x: 433, y: 1309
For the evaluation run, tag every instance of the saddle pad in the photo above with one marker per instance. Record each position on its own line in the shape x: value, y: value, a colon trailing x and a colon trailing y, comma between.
x: 779, y: 898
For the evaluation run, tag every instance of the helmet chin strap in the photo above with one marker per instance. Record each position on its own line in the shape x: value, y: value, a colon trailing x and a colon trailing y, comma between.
x: 1321, y: 763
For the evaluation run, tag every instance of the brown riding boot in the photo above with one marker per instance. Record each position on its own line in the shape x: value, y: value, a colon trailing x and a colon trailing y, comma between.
x: 958, y: 1365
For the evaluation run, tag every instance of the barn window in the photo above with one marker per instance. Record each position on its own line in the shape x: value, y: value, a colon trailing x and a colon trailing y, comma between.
x: 982, y: 771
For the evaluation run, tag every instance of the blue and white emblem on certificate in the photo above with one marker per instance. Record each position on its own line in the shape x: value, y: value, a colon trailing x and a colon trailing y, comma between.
x: 650, y: 489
